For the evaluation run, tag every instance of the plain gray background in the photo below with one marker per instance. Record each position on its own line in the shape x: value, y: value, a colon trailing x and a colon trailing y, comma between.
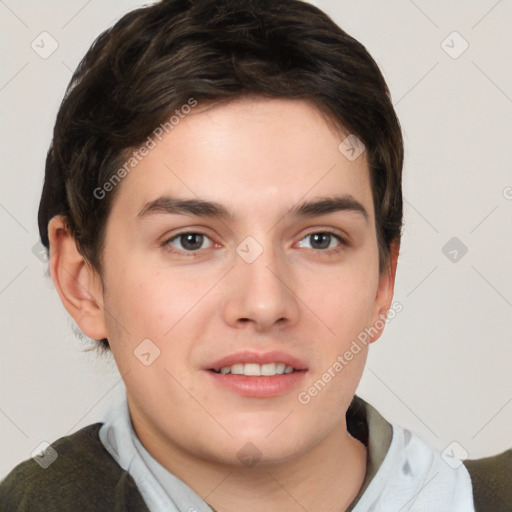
x: 443, y: 366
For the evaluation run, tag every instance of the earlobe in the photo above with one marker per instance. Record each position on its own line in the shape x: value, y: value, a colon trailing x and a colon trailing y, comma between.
x: 78, y: 285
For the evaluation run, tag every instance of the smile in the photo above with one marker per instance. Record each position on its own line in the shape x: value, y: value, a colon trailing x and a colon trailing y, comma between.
x: 256, y: 370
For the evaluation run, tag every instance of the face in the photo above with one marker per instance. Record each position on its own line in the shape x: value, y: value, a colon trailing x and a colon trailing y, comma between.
x: 253, y: 283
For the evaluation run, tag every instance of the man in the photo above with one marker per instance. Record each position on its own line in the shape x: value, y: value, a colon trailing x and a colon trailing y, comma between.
x: 223, y: 208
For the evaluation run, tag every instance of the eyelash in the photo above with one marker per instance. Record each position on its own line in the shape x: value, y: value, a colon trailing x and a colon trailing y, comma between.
x: 342, y: 243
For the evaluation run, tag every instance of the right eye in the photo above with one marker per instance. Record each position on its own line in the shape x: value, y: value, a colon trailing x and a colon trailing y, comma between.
x: 190, y: 241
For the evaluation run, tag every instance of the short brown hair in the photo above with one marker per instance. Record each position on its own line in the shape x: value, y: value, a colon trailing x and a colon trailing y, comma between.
x: 154, y: 59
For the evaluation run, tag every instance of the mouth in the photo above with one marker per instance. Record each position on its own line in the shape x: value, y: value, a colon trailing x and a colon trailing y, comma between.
x: 258, y: 375
x: 256, y: 370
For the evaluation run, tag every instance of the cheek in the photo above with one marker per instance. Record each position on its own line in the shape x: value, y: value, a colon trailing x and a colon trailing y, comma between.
x: 145, y: 304
x: 344, y: 312
x: 342, y: 301
x: 149, y: 302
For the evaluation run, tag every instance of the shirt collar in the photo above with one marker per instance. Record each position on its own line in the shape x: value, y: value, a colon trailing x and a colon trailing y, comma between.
x: 369, y: 427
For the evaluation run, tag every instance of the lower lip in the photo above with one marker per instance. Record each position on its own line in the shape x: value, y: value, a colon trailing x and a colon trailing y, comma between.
x: 258, y: 387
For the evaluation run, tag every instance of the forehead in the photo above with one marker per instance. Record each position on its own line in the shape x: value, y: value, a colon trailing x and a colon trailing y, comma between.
x: 249, y: 154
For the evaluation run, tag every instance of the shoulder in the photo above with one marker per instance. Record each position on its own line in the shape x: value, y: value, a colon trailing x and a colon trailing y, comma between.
x: 83, y: 476
x: 492, y: 482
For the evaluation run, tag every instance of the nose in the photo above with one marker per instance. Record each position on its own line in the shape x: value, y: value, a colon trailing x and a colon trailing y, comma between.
x: 261, y: 289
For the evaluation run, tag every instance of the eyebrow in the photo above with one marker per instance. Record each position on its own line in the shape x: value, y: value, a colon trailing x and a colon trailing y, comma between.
x: 201, y: 208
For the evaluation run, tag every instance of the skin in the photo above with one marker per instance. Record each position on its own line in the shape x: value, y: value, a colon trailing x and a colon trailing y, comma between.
x: 259, y: 158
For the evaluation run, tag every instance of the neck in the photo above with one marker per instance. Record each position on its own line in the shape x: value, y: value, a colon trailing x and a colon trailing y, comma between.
x: 327, y: 478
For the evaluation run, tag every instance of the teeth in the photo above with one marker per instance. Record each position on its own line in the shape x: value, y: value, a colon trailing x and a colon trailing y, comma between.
x: 256, y: 370
x: 268, y: 369
x: 252, y: 369
x: 236, y: 369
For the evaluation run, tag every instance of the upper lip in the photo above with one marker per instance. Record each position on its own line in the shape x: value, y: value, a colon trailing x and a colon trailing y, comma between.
x: 248, y: 356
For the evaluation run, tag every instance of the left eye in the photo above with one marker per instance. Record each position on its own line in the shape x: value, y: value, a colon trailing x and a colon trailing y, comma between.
x: 323, y: 239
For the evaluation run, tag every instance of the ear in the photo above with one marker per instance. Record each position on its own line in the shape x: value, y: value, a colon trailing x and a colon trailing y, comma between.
x: 384, y: 295
x: 78, y: 285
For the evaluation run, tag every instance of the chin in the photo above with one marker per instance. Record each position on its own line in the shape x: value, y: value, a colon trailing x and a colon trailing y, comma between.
x: 253, y: 453
x: 270, y: 445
